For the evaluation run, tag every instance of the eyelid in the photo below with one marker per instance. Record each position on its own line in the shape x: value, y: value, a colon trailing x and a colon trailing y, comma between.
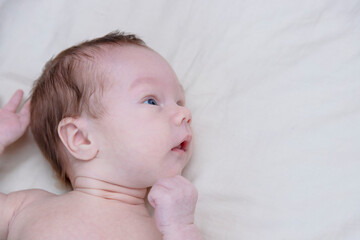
x: 150, y: 97
x: 180, y: 103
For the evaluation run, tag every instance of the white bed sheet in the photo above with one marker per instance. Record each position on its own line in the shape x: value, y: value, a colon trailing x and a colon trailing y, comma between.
x: 274, y: 87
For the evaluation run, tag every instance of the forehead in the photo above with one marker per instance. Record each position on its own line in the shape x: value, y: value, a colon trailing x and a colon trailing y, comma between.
x: 131, y: 66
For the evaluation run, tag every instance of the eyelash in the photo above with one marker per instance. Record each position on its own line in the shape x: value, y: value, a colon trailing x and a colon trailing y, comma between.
x: 179, y: 103
x: 153, y: 99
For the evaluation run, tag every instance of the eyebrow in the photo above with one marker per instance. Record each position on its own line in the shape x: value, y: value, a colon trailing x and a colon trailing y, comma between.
x: 139, y: 81
x: 145, y: 80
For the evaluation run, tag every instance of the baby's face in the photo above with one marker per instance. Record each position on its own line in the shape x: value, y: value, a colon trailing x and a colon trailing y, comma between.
x: 145, y: 134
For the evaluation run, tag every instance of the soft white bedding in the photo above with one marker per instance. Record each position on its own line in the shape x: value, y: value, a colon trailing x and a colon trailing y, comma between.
x: 274, y: 87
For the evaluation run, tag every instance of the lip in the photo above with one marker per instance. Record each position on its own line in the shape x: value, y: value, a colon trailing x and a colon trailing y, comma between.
x: 183, y: 145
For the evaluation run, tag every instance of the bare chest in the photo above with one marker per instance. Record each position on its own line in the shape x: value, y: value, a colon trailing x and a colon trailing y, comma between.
x: 55, y: 222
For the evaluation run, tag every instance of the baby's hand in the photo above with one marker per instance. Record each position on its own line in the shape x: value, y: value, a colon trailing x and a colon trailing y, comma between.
x: 13, y: 125
x: 174, y: 200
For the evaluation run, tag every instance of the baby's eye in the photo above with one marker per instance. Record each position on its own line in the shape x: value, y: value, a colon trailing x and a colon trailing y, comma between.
x: 151, y: 101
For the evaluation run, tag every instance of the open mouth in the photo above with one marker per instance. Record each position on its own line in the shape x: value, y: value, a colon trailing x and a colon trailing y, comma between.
x: 183, y: 146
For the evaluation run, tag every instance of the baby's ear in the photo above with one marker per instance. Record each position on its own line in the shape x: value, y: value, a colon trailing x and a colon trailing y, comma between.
x: 74, y: 134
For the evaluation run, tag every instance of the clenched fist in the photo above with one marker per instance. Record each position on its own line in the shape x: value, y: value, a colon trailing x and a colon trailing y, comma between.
x: 174, y: 200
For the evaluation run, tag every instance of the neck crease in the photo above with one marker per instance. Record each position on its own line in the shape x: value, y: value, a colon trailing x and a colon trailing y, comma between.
x: 106, y: 190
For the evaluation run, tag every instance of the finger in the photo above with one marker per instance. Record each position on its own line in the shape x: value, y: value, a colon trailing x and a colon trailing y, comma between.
x: 151, y: 201
x: 15, y: 101
x: 169, y: 183
x: 175, y: 182
x: 24, y: 115
x: 182, y: 180
x: 156, y: 192
x: 151, y: 197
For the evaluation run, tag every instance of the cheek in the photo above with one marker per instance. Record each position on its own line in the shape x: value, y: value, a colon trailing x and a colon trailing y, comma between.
x: 137, y: 135
x: 152, y: 143
x: 151, y: 133
x: 143, y: 140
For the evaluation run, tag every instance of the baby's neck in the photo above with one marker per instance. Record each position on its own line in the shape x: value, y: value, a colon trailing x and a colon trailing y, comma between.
x: 110, y: 191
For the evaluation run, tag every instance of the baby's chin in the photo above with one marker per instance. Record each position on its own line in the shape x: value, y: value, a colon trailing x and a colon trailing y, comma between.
x: 151, y: 179
x: 170, y: 174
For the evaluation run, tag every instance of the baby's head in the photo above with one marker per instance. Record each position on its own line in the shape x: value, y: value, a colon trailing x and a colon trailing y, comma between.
x: 111, y: 109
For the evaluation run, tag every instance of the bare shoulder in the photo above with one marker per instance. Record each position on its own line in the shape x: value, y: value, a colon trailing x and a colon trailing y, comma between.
x: 20, y: 199
x: 14, y: 202
x: 29, y: 195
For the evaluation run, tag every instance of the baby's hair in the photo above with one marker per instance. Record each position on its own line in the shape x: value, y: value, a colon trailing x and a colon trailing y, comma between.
x: 70, y: 85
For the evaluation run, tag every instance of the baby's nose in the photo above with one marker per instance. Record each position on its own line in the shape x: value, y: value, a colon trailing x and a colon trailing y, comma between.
x: 183, y: 115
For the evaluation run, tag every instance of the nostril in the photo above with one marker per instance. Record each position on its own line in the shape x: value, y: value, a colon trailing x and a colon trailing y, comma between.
x: 182, y: 115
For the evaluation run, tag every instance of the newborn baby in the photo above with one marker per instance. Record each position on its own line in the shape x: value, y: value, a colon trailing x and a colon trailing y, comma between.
x: 109, y: 114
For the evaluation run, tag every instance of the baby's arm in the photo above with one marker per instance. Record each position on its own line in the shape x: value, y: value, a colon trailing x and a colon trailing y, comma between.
x: 174, y: 200
x: 12, y: 124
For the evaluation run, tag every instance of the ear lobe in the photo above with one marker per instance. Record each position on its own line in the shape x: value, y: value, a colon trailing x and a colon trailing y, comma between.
x: 74, y: 135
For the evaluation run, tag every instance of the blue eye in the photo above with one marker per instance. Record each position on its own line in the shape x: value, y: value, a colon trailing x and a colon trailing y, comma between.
x: 151, y: 101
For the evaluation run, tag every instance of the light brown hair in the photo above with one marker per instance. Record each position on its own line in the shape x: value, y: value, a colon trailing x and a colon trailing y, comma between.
x: 69, y: 85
